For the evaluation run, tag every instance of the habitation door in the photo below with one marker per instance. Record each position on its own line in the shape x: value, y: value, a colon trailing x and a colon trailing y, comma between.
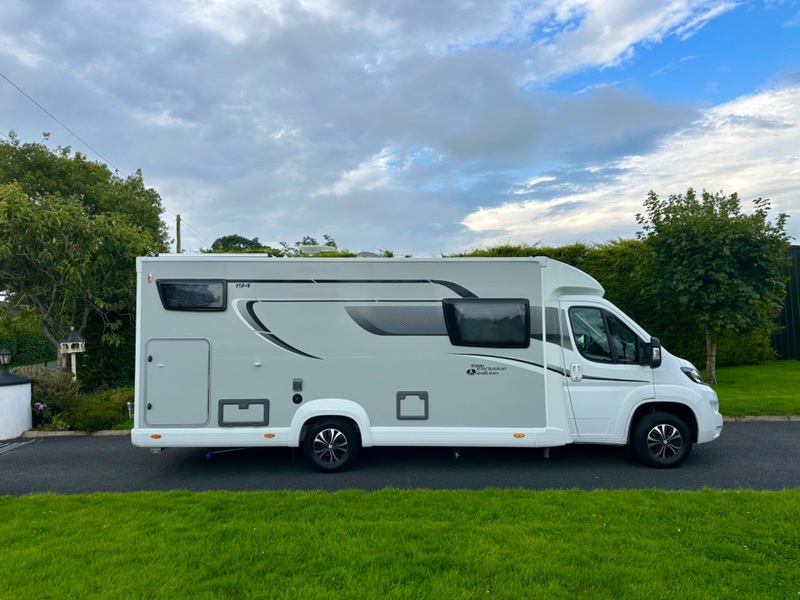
x: 177, y: 382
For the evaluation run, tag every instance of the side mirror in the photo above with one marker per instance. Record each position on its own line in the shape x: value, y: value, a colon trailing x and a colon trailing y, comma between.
x: 650, y: 353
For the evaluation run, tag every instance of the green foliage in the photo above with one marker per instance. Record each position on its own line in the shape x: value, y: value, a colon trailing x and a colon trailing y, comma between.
x: 718, y: 264
x: 622, y: 268
x: 28, y: 347
x: 22, y: 334
x: 296, y: 251
x: 104, y: 365
x: 40, y: 171
x: 104, y: 409
x: 65, y: 263
x: 70, y: 231
x: 239, y: 244
x: 501, y: 251
x: 55, y: 389
x: 403, y: 544
x: 572, y: 254
x: 66, y: 408
x: 714, y: 266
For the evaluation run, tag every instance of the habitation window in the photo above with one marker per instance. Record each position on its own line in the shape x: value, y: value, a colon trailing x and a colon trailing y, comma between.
x: 186, y: 294
x: 492, y: 323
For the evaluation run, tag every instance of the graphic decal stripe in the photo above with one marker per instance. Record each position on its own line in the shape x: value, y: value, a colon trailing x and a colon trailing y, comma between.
x: 558, y: 370
x: 264, y: 332
x: 615, y: 379
x: 454, y: 287
x: 413, y: 320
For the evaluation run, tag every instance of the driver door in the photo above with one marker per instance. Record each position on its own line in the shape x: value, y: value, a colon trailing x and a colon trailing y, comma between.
x: 603, y: 372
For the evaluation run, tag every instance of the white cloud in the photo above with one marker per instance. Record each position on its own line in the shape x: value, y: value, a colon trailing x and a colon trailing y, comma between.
x: 161, y: 117
x: 387, y: 123
x: 372, y: 174
x: 604, y: 34
x: 749, y: 146
x: 22, y: 49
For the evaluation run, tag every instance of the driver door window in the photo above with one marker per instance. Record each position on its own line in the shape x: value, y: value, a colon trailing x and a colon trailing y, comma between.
x: 602, y: 337
x: 589, y: 330
x: 624, y: 341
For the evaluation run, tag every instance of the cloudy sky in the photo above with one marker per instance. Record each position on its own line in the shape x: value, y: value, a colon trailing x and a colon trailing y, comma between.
x: 422, y: 126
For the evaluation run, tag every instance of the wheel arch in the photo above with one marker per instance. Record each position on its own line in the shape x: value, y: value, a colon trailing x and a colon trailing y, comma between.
x: 327, y: 408
x: 682, y: 411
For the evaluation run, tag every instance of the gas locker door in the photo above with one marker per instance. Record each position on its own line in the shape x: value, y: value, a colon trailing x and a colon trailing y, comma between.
x: 177, y: 382
x: 603, y: 374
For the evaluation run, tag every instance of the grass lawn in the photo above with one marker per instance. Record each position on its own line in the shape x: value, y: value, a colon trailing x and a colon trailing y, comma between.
x: 415, y: 544
x: 771, y: 388
x: 418, y: 544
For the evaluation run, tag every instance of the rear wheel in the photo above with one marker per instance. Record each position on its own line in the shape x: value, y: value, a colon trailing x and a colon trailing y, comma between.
x: 662, y: 440
x: 331, y: 445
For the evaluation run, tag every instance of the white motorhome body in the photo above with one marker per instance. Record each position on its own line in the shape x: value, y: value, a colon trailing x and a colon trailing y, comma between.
x: 338, y: 354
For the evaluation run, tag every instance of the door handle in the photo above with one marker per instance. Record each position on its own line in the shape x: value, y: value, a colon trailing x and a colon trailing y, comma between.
x: 575, y: 372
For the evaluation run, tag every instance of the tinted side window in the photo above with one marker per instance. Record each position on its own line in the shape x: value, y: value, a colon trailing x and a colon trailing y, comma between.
x: 625, y: 341
x: 185, y: 294
x: 601, y: 337
x: 493, y: 323
x: 589, y: 331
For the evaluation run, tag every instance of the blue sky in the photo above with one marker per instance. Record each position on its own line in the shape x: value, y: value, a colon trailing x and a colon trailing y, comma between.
x: 421, y: 126
x: 734, y: 54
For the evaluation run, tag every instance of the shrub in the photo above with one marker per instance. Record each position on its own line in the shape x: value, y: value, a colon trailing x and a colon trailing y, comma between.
x: 22, y: 334
x: 619, y: 266
x: 104, y: 409
x: 56, y: 402
x: 105, y: 364
x: 29, y: 347
x: 54, y: 388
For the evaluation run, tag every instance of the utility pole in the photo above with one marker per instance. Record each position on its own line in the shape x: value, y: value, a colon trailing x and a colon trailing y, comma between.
x: 178, y: 236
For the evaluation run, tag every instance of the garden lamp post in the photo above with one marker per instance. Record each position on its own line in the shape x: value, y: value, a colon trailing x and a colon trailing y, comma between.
x: 5, y: 359
x: 7, y: 378
x: 72, y: 345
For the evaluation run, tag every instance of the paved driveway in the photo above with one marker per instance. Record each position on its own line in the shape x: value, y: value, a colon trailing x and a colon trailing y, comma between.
x: 762, y: 456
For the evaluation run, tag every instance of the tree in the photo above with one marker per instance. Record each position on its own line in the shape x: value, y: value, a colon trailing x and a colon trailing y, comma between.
x: 40, y: 171
x: 236, y: 243
x: 67, y: 264
x: 714, y: 265
x: 20, y: 332
x: 311, y: 241
x: 239, y: 244
x: 70, y: 230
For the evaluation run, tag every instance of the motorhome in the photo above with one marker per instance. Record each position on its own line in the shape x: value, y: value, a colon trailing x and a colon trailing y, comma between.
x: 333, y: 355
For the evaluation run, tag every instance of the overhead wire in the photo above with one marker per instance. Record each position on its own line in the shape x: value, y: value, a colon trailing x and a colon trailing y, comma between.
x: 49, y: 114
x: 103, y: 158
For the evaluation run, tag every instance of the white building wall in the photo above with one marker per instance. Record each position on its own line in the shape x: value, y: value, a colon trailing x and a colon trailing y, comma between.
x: 15, y: 410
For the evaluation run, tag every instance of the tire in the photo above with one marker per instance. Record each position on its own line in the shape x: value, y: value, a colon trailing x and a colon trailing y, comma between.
x: 662, y: 440
x: 331, y: 445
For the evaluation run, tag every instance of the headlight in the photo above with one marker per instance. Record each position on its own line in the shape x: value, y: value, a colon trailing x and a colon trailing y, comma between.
x: 693, y: 374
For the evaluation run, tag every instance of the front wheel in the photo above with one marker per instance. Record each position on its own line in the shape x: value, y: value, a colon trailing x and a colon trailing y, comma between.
x: 662, y: 440
x: 331, y: 445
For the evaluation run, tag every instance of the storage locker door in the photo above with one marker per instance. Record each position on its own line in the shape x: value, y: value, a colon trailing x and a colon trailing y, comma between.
x: 177, y: 382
